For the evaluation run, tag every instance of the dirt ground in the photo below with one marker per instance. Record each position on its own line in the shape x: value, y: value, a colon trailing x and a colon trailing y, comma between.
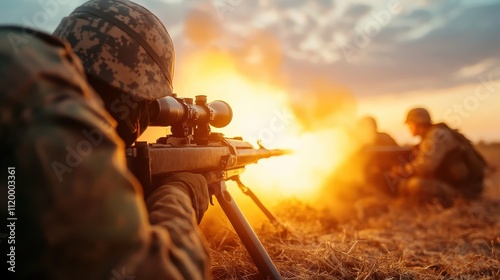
x: 381, y: 239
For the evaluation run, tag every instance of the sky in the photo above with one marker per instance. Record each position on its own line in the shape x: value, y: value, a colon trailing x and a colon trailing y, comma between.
x: 372, y: 57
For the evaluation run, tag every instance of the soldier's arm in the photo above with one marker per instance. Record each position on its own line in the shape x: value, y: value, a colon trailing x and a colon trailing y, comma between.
x: 431, y: 152
x: 83, y: 213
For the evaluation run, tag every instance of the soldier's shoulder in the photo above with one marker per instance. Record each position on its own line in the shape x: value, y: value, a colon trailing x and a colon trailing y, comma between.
x: 41, y: 76
x: 34, y: 50
x: 385, y: 139
x: 441, y: 134
x: 16, y: 40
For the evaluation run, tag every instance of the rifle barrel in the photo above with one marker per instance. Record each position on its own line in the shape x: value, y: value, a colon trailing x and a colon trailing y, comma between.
x: 206, y: 158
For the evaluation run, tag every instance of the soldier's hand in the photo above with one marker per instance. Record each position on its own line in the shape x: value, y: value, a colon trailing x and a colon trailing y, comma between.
x: 194, y: 185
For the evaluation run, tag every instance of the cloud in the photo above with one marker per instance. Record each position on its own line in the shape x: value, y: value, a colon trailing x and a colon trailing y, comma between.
x: 41, y: 15
x: 419, y: 16
x: 284, y: 4
x: 171, y: 12
x: 423, y: 47
x: 433, y: 59
x: 430, y: 44
x: 358, y: 10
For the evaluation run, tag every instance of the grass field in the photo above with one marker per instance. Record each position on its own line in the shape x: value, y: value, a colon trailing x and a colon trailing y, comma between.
x: 375, y: 238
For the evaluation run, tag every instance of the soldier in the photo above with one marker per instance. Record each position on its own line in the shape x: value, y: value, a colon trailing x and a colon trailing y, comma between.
x: 81, y: 213
x: 445, y: 165
x: 368, y: 127
x: 372, y: 165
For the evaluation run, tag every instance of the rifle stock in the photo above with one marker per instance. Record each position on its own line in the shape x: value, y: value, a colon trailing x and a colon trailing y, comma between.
x: 192, y: 147
x: 219, y: 160
x: 226, y: 154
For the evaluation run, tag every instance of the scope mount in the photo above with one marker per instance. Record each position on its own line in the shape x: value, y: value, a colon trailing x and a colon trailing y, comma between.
x: 189, y: 119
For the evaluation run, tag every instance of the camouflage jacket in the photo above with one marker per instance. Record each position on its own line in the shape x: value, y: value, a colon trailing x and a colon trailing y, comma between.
x: 446, y: 155
x: 80, y: 213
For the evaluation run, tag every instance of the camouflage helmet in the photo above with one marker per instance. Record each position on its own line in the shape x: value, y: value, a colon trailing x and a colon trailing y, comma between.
x: 418, y: 116
x: 122, y: 44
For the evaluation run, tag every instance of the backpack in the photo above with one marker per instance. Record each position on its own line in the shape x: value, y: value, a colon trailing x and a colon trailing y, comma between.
x: 464, y: 167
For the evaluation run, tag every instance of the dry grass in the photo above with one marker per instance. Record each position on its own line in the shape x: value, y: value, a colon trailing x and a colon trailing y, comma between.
x: 378, y: 239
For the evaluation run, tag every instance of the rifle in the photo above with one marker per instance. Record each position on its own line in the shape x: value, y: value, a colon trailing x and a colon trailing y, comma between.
x: 192, y: 147
x: 380, y: 160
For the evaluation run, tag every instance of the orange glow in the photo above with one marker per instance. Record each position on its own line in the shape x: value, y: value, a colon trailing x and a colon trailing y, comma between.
x: 263, y: 112
x: 301, y: 175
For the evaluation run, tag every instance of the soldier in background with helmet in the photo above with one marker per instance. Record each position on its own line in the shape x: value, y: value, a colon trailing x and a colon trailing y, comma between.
x: 373, y: 165
x: 81, y: 213
x: 445, y: 165
x: 367, y: 126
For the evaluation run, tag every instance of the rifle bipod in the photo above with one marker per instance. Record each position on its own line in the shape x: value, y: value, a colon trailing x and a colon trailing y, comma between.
x: 257, y: 201
x: 254, y: 247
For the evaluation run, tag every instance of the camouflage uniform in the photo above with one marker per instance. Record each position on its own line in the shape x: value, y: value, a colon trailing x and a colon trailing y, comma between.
x: 128, y: 28
x: 80, y: 213
x: 445, y: 166
x: 372, y: 168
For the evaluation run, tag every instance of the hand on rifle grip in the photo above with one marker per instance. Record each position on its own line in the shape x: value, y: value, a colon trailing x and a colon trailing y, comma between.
x: 195, y: 186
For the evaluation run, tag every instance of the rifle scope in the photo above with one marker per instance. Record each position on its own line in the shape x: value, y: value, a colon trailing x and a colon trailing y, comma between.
x: 169, y: 111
